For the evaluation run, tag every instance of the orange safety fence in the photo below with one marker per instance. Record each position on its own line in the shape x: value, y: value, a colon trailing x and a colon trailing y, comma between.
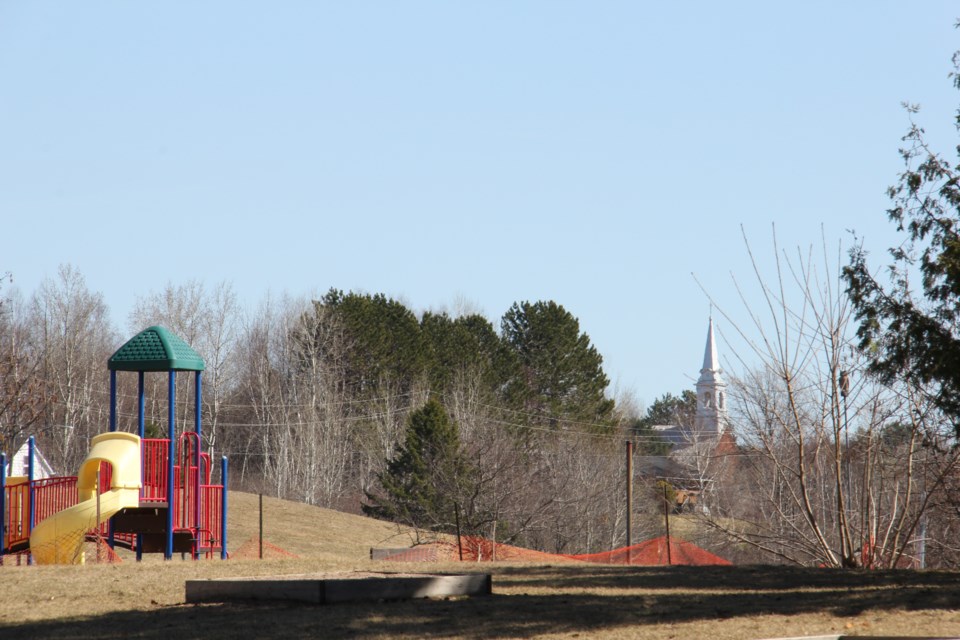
x: 476, y: 549
x: 472, y: 549
x: 656, y: 552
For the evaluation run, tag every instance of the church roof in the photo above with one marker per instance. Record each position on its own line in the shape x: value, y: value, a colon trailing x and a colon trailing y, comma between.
x: 710, y: 371
x: 675, y: 435
x: 710, y: 359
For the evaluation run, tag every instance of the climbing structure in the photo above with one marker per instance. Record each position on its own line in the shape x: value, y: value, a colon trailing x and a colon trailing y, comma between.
x: 169, y: 504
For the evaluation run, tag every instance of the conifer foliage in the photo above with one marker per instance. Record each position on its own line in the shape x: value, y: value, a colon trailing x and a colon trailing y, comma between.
x: 559, y: 372
x: 914, y: 334
x: 424, y: 480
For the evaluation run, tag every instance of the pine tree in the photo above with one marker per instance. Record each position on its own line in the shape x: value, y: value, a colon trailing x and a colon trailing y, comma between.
x: 463, y: 347
x: 385, y: 345
x: 423, y: 482
x: 559, y: 373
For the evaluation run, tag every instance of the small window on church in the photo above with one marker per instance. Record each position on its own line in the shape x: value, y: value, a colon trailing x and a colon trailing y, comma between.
x: 721, y: 399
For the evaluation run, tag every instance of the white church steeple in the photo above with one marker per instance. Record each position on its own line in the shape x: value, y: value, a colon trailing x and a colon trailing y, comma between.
x: 711, y: 418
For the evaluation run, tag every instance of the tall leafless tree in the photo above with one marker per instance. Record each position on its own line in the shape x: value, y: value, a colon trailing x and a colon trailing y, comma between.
x: 74, y: 336
x: 207, y: 320
x: 819, y: 486
x: 23, y: 396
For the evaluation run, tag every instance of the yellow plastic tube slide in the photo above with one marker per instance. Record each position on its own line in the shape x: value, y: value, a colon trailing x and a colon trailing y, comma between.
x: 59, y: 538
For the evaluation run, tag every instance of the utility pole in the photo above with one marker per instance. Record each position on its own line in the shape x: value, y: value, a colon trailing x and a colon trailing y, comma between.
x: 629, y: 497
x: 666, y: 519
x: 844, y: 383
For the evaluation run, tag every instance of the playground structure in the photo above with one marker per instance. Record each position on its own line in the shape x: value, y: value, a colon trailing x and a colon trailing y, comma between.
x: 144, y: 494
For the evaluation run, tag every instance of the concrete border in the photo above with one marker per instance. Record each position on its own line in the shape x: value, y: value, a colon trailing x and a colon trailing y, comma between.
x: 846, y: 637
x: 364, y: 587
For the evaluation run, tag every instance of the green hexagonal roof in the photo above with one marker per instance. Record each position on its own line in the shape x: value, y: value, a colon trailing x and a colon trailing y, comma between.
x: 155, y: 349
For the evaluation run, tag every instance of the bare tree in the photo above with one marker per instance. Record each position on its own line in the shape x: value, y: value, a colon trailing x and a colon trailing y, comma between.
x: 22, y: 392
x: 821, y: 488
x: 207, y: 319
x: 295, y: 416
x: 73, y: 334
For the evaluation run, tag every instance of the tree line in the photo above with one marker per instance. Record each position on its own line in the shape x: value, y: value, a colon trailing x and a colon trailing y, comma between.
x: 312, y: 399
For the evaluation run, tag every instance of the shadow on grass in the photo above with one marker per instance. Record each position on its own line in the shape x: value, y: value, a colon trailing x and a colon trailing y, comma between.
x: 749, y: 578
x: 541, y: 600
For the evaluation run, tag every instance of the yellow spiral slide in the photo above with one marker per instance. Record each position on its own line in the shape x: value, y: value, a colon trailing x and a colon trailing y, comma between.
x: 59, y: 538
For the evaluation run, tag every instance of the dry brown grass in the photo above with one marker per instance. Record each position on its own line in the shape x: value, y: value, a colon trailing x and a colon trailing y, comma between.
x: 310, y: 531
x: 146, y: 600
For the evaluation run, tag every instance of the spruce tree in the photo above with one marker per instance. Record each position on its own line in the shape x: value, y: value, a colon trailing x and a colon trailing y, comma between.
x: 424, y: 479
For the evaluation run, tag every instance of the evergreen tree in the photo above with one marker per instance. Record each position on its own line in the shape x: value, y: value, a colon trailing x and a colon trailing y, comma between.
x: 383, y: 341
x: 672, y: 410
x: 461, y: 347
x: 915, y: 334
x: 425, y: 479
x: 558, y: 374
x: 668, y: 409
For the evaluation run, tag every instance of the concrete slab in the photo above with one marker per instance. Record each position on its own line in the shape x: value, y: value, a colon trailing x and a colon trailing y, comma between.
x: 341, y: 587
x: 846, y: 637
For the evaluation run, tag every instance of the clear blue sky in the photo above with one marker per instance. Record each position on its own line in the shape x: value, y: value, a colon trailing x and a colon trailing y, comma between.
x: 593, y: 153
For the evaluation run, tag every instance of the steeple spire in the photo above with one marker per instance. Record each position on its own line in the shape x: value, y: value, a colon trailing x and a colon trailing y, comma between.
x: 711, y: 417
x: 710, y: 360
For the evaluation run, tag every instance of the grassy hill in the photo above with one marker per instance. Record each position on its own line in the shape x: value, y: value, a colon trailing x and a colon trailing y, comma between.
x: 146, y: 600
x: 308, y: 531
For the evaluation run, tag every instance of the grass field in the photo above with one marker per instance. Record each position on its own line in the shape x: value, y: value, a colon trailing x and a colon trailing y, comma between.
x: 145, y: 600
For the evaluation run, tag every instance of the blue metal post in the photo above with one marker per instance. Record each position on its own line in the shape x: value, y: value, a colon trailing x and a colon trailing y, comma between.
x: 3, y: 503
x: 113, y: 427
x: 113, y: 401
x: 196, y: 487
x: 141, y: 431
x: 141, y: 408
x: 171, y: 456
x: 30, y: 491
x: 223, y: 508
x: 31, y: 447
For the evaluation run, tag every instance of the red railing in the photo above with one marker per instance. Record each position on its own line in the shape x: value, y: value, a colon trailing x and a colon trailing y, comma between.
x: 177, y: 498
x: 205, y: 462
x: 55, y: 494
x: 154, y: 465
x: 50, y: 495
x: 17, y: 516
x: 211, y: 518
x: 188, y: 511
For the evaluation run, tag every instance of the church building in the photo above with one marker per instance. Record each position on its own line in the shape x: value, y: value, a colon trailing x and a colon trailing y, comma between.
x: 711, y: 420
x: 701, y: 453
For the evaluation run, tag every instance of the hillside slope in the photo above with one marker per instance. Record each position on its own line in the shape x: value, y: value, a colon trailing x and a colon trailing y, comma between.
x: 308, y: 531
